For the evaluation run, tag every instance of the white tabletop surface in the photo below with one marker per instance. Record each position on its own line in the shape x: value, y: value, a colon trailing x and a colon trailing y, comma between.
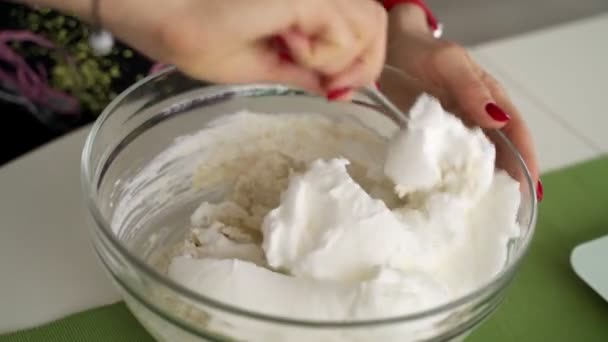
x: 48, y: 269
x: 47, y: 265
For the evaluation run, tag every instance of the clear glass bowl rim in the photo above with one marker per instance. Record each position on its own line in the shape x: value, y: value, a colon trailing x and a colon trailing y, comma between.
x: 101, y: 224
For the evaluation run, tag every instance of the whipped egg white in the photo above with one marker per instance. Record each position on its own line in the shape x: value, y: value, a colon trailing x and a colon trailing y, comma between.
x: 311, y: 229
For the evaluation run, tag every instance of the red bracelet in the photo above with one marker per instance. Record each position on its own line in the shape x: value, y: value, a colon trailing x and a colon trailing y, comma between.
x: 430, y: 18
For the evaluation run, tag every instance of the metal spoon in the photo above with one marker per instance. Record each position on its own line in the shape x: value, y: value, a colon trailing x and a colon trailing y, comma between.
x: 387, y: 104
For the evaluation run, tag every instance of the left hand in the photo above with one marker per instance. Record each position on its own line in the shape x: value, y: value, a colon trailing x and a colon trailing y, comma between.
x: 446, y: 71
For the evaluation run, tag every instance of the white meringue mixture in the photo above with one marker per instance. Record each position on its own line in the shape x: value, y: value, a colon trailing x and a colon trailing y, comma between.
x: 325, y: 220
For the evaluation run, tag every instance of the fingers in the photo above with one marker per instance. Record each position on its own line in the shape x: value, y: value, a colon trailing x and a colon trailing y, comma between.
x: 371, y: 21
x: 269, y: 63
x: 321, y: 38
x: 480, y: 99
x: 519, y: 134
x: 483, y: 102
x: 446, y: 71
x: 349, y: 51
x: 516, y: 129
x: 506, y: 160
x: 367, y: 68
x: 227, y: 41
x: 459, y: 76
x: 287, y: 72
x: 324, y: 40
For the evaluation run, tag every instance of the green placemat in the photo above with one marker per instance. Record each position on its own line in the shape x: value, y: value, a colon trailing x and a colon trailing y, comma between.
x: 112, y: 323
x: 547, y: 301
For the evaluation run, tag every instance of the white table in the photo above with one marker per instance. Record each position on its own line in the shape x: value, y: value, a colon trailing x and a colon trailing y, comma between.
x: 47, y: 265
x: 48, y: 269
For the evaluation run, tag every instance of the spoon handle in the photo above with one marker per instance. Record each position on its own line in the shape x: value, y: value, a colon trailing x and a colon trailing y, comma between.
x: 387, y: 104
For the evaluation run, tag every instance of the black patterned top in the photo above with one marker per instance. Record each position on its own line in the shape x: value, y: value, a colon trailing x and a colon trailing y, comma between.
x: 50, y: 80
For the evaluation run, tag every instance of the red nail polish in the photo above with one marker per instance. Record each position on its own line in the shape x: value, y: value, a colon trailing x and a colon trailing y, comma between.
x: 496, y: 113
x: 285, y: 57
x: 377, y: 83
x: 539, y: 191
x: 337, y: 93
x: 280, y: 43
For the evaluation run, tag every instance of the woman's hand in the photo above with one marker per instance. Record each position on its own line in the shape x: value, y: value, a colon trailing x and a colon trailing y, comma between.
x: 448, y: 72
x: 321, y: 45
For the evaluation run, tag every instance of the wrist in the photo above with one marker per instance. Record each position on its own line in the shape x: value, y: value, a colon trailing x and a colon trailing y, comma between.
x: 413, y: 16
x: 409, y: 37
x: 408, y: 18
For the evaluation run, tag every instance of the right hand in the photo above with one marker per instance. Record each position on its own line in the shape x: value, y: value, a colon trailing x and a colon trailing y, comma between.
x: 323, y: 45
x: 447, y: 71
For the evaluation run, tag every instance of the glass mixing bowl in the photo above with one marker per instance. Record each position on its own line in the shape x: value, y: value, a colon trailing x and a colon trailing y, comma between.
x: 133, y: 220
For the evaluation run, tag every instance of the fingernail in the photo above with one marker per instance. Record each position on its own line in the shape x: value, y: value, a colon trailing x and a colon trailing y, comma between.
x: 377, y: 83
x: 496, y: 113
x: 280, y: 43
x: 337, y: 93
x: 539, y: 191
x: 285, y: 56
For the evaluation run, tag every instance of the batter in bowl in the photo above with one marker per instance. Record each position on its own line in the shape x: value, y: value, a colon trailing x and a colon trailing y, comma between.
x: 324, y: 220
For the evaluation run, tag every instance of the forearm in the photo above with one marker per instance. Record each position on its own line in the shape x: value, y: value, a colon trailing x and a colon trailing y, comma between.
x: 80, y: 8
